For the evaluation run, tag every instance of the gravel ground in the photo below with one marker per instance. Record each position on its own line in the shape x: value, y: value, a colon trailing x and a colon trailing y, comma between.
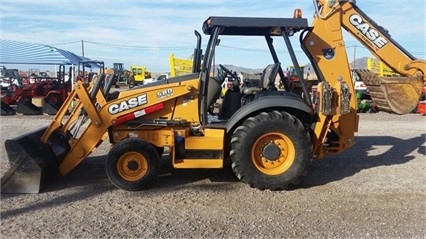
x: 376, y: 189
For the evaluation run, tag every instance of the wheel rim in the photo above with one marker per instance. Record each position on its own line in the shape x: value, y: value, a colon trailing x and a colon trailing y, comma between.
x: 132, y: 166
x: 273, y: 153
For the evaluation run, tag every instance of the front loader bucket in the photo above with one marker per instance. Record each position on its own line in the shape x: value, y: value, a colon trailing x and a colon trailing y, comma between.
x: 27, y: 108
x: 7, y: 110
x: 398, y: 95
x: 32, y: 162
x: 49, y: 109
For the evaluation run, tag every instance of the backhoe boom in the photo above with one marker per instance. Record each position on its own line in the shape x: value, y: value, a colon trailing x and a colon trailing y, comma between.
x: 397, y: 94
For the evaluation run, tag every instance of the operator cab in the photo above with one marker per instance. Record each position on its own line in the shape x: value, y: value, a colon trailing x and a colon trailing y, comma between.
x: 236, y: 100
x: 236, y: 96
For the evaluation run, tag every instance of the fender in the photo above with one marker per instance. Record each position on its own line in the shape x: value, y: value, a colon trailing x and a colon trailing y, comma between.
x: 60, y: 93
x: 269, y: 102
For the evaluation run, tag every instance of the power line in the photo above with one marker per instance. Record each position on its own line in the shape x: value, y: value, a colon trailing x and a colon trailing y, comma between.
x: 360, y: 46
x: 64, y: 43
x: 134, y: 47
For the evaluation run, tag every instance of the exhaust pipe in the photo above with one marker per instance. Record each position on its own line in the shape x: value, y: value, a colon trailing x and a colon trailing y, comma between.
x: 32, y: 162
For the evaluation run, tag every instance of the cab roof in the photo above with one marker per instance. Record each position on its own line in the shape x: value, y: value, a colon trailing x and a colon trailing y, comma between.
x: 253, y: 26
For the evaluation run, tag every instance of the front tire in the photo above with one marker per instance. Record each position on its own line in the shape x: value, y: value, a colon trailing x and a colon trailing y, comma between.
x: 54, y: 99
x: 270, y: 150
x: 132, y: 164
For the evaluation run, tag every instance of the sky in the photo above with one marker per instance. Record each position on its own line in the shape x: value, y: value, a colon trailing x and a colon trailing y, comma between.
x: 145, y: 33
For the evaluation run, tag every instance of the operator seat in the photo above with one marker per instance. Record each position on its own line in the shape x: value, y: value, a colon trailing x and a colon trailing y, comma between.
x: 231, y: 101
x: 213, y: 91
x: 267, y: 80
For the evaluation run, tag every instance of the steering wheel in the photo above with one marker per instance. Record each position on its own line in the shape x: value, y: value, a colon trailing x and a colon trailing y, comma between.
x: 228, y: 71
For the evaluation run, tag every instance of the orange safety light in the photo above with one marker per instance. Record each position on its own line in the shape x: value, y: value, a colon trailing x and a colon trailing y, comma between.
x: 297, y: 13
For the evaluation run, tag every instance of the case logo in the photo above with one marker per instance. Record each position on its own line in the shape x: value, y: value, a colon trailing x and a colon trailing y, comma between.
x: 369, y: 32
x: 128, y: 104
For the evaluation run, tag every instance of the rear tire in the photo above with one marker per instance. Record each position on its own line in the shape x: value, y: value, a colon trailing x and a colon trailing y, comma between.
x: 132, y: 164
x: 54, y: 99
x: 270, y: 150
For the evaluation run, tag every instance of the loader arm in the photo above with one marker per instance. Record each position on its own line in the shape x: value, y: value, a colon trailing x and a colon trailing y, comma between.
x: 325, y: 47
x: 53, y: 151
x: 127, y: 106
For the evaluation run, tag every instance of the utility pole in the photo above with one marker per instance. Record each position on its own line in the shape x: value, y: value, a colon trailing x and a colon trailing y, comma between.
x: 82, y: 48
x: 353, y: 68
x: 353, y: 64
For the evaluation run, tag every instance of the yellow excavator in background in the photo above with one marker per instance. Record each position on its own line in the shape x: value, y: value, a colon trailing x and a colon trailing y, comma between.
x: 269, y: 136
x: 140, y: 73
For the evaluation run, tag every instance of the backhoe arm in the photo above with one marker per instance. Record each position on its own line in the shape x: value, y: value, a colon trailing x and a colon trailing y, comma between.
x: 325, y: 47
x: 393, y: 94
x: 380, y: 43
x: 337, y: 118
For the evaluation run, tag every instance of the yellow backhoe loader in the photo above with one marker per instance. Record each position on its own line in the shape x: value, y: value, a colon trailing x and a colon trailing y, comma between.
x: 270, y: 136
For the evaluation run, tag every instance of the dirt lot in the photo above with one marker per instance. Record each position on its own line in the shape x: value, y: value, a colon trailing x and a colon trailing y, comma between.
x: 376, y: 189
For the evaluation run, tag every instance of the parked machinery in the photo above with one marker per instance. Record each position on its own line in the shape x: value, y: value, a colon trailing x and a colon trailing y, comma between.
x: 9, y: 79
x: 124, y: 77
x: 295, y: 83
x: 139, y: 75
x: 89, y: 69
x: 41, y: 96
x: 179, y: 66
x: 269, y: 140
